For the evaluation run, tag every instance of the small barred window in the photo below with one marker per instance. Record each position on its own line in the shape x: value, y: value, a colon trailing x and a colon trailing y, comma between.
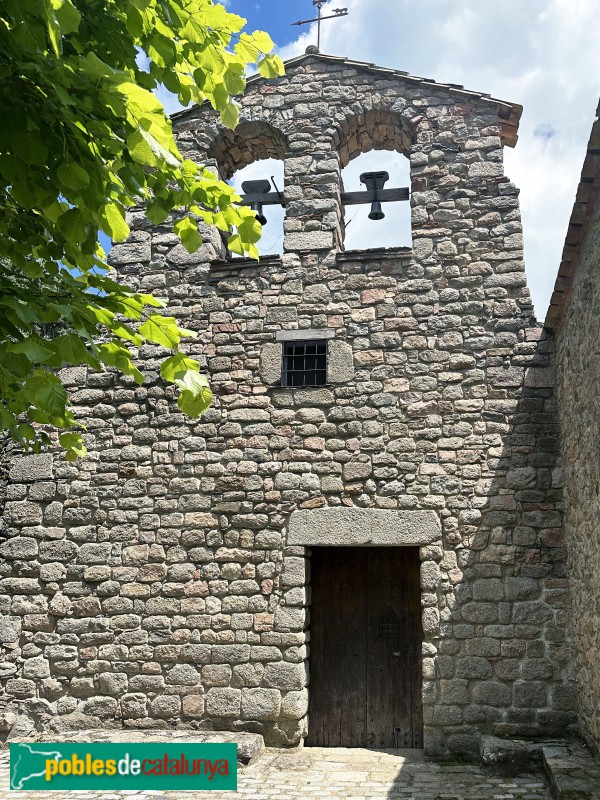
x: 305, y: 363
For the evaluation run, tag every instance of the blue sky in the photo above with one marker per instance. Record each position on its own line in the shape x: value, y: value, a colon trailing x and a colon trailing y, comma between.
x: 275, y: 16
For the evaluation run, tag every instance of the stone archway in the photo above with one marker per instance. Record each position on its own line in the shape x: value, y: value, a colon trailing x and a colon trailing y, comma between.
x: 249, y: 142
x: 373, y: 129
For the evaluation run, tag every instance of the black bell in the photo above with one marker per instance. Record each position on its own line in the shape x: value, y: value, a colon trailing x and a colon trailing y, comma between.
x: 254, y: 189
x: 375, y: 181
x: 376, y: 211
x: 258, y: 210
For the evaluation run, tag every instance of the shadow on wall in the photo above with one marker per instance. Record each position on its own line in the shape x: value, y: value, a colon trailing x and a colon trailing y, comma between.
x: 6, y: 449
x: 505, y: 661
x: 497, y: 654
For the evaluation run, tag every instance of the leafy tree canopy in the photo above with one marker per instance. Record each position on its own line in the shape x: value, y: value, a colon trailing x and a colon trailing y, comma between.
x: 83, y: 137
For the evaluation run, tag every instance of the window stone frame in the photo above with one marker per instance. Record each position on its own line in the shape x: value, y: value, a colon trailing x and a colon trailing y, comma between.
x: 340, y: 357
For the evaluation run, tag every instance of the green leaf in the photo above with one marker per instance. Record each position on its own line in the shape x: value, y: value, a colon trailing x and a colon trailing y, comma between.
x: 114, y: 354
x: 196, y: 395
x: 271, y: 67
x: 263, y: 41
x: 100, y: 315
x: 162, y: 50
x: 73, y: 225
x: 157, y: 212
x: 246, y: 49
x: 230, y: 115
x: 163, y: 331
x: 147, y: 150
x: 125, y: 332
x: 176, y: 366
x: 34, y: 348
x: 18, y: 365
x: 30, y: 148
x: 234, y: 78
x: 131, y: 306
x: 235, y: 244
x: 32, y: 270
x: 54, y: 34
x: 140, y: 101
x: 22, y: 309
x: 135, y: 22
x: 250, y: 47
x: 26, y: 432
x: 73, y: 176
x: 73, y: 444
x: 187, y: 230
x: 150, y: 300
x: 45, y: 390
x: 95, y: 67
x: 7, y: 420
x: 67, y: 15
x: 250, y: 230
x: 70, y: 349
x: 115, y: 226
x: 24, y: 194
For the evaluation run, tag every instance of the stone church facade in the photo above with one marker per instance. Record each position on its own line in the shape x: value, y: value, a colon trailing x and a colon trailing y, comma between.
x: 165, y: 580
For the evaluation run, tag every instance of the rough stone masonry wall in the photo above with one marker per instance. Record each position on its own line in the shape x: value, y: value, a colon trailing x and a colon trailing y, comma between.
x: 578, y: 381
x: 153, y: 584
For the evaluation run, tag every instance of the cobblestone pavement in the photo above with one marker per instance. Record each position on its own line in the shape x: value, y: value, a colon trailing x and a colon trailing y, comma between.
x: 333, y: 773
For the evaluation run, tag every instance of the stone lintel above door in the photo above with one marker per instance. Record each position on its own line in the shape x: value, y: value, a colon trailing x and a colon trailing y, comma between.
x: 367, y: 527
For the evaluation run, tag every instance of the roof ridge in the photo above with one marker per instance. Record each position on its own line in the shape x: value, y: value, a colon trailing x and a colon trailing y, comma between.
x: 401, y: 73
x: 510, y: 113
x: 588, y: 193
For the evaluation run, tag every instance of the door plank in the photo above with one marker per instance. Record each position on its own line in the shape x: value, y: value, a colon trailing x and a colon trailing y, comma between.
x: 365, y: 655
x: 389, y: 722
x: 415, y: 650
x: 337, y: 650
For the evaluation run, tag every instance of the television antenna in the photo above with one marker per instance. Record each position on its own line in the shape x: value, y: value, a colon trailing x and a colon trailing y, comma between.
x: 337, y: 13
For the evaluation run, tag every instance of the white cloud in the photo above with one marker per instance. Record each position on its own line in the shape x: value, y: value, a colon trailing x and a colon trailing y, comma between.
x: 542, y: 54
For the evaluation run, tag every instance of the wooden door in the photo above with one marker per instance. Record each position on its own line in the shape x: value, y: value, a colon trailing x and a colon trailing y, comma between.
x: 365, y: 648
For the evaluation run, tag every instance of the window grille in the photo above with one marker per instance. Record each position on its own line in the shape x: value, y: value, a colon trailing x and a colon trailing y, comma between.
x: 305, y: 363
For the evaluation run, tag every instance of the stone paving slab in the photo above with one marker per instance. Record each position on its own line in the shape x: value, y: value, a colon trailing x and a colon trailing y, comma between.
x: 337, y: 774
x: 573, y: 773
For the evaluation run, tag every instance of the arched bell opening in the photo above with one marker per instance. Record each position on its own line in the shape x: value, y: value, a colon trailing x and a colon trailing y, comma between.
x: 251, y: 159
x: 378, y: 222
x: 373, y: 149
x: 265, y: 178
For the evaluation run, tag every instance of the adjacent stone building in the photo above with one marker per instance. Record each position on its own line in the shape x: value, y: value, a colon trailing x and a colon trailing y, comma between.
x: 574, y: 317
x: 165, y: 580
